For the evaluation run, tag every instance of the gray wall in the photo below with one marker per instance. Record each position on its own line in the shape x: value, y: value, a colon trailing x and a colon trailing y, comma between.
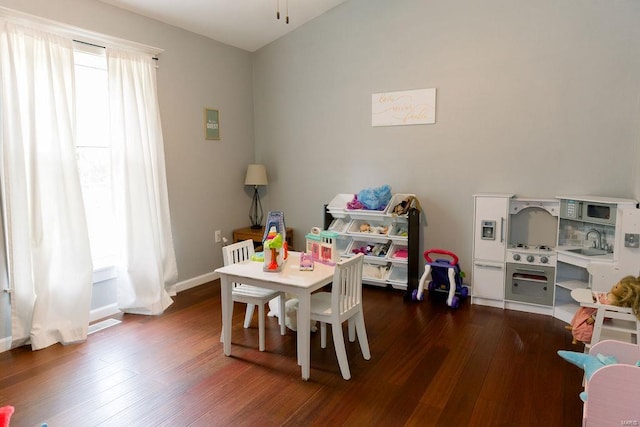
x: 535, y: 98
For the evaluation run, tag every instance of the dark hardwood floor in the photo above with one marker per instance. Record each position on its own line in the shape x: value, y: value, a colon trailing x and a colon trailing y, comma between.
x: 430, y: 365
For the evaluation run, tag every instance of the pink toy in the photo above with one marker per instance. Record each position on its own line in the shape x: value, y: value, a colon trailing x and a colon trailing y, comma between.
x: 306, y: 262
x: 401, y: 253
x: 322, y: 245
x: 612, y: 391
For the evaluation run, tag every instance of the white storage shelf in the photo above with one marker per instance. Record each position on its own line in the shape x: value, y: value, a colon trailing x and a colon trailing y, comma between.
x: 359, y: 228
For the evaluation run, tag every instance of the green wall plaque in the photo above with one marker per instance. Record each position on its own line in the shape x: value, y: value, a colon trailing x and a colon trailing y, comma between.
x: 211, y: 123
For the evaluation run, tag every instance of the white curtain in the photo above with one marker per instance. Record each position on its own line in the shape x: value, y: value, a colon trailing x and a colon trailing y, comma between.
x: 147, y: 264
x: 48, y: 254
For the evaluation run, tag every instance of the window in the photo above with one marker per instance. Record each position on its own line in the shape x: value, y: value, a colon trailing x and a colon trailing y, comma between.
x: 93, y: 151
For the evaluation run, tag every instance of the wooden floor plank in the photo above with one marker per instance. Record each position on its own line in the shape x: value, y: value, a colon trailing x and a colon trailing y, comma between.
x: 430, y: 366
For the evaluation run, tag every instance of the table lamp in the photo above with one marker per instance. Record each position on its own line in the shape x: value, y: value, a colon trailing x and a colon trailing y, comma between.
x: 256, y: 176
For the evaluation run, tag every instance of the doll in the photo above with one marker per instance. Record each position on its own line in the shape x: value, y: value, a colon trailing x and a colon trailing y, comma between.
x: 625, y: 293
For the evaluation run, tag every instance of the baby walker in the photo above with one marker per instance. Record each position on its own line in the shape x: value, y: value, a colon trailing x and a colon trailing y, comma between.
x: 445, y: 276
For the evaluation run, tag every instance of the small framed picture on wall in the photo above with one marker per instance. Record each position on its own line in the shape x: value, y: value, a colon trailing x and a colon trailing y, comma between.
x: 211, y: 123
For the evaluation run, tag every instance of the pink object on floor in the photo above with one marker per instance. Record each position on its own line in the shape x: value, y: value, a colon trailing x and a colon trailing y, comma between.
x: 5, y: 415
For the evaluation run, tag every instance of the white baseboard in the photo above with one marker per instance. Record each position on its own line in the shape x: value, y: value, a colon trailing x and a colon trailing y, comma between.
x: 102, y: 312
x: 5, y: 344
x: 196, y: 281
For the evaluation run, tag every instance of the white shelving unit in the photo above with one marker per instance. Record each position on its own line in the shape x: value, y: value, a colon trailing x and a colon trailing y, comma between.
x: 382, y: 236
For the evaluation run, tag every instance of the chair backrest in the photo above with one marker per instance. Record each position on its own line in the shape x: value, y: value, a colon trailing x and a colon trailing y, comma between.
x: 237, y: 252
x: 346, y: 291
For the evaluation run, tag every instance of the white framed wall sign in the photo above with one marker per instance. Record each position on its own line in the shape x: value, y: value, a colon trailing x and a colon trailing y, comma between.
x: 409, y: 107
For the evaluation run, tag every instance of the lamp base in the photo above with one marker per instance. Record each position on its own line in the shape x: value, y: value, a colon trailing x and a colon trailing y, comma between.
x: 255, y: 211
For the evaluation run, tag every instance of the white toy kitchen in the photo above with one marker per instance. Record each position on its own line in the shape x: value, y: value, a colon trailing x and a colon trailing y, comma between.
x: 530, y: 253
x: 591, y: 238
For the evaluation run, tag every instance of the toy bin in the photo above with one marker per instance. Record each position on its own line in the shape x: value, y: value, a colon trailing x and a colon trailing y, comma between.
x: 395, y: 200
x: 341, y: 246
x: 339, y: 225
x: 398, y: 253
x: 337, y: 207
x: 398, y: 276
x: 369, y: 248
x: 375, y: 274
x: 368, y: 228
x: 399, y: 230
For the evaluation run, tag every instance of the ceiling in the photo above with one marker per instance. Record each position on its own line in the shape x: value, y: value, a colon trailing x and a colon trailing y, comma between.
x: 246, y: 24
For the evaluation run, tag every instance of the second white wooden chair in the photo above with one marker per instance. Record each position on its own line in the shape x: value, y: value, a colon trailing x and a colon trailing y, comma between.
x: 344, y: 302
x: 251, y: 295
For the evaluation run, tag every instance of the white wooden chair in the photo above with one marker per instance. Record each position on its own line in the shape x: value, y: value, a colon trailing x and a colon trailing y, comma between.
x: 344, y: 302
x: 251, y: 295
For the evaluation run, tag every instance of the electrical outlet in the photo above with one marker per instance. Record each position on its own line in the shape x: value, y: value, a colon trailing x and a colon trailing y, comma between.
x: 218, y: 236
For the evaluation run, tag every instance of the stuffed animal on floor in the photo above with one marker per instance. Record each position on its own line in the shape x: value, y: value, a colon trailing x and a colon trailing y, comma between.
x: 291, y: 313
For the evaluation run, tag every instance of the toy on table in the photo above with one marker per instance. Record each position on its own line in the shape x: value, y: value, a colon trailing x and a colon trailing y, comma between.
x: 625, y: 293
x: 274, y: 242
x: 306, y: 262
x: 445, y: 276
x: 275, y: 219
x: 273, y: 251
x: 322, y: 245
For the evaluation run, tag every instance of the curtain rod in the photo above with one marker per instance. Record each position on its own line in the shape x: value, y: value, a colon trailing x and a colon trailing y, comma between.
x: 154, y: 57
x: 76, y: 33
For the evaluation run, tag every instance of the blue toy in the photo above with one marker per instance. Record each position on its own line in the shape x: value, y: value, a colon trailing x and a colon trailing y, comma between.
x: 445, y: 277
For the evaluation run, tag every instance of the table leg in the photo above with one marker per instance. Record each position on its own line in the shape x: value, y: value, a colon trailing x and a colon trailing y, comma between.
x: 227, y: 313
x: 304, y: 335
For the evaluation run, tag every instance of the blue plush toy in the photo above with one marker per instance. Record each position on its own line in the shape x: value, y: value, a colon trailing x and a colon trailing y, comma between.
x: 588, y: 362
x: 375, y: 198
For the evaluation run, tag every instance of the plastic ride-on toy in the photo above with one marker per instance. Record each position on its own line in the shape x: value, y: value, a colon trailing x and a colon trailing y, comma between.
x: 445, y: 277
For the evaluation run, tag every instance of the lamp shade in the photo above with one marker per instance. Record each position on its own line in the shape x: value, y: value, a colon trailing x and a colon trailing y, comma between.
x: 256, y: 175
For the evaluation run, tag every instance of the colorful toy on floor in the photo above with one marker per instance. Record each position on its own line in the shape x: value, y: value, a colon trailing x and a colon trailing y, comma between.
x: 446, y: 276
